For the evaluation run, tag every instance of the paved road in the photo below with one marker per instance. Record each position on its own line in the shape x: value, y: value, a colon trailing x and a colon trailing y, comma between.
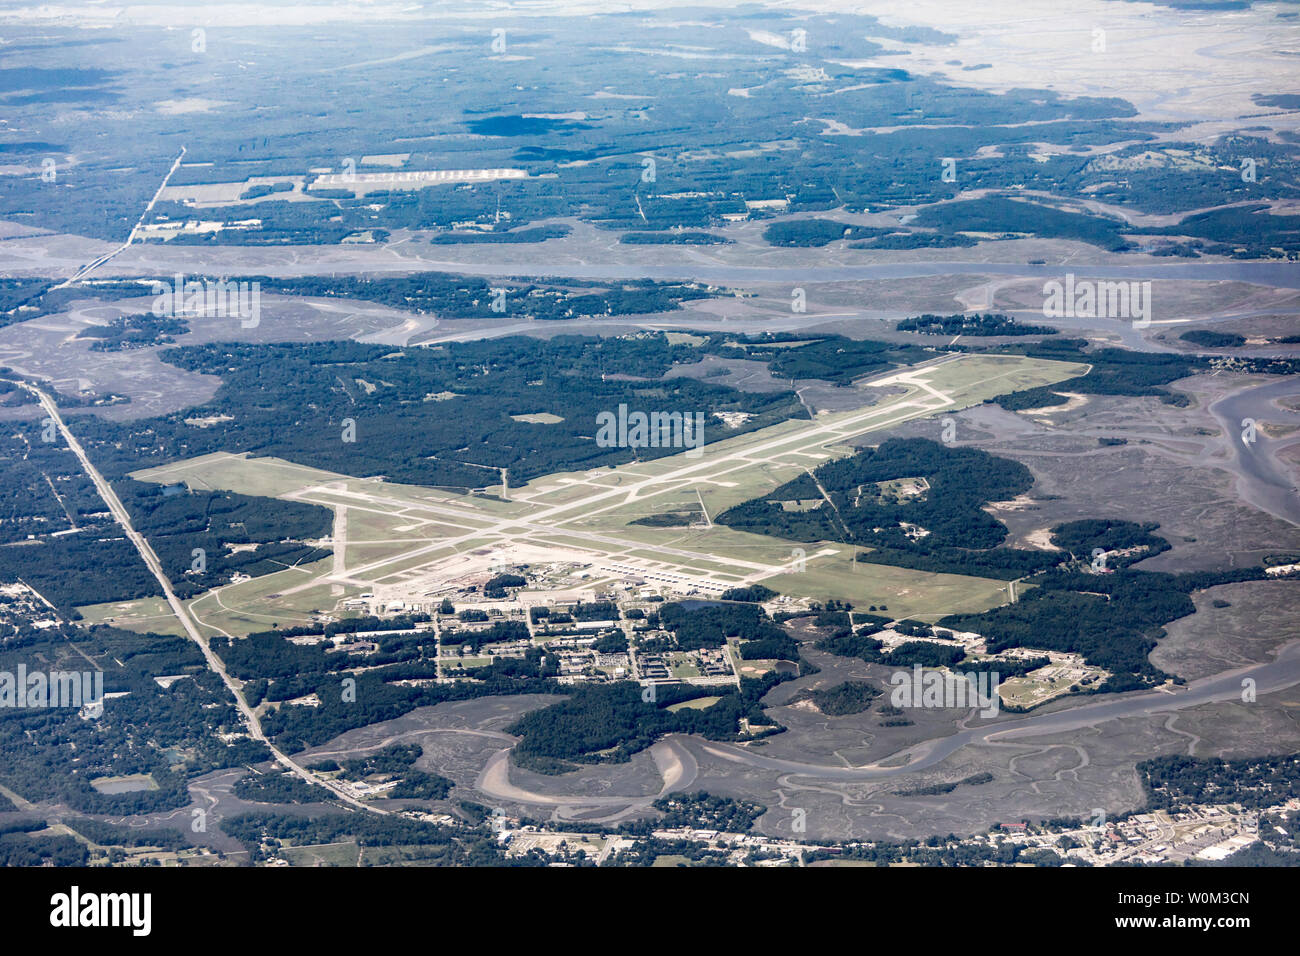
x: 178, y: 607
x: 92, y: 266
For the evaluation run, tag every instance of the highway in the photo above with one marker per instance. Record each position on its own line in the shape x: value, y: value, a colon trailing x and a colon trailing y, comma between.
x: 178, y: 607
x: 92, y: 266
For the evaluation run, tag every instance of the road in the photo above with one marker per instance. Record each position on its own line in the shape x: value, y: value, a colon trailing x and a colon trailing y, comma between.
x: 178, y: 607
x: 95, y: 264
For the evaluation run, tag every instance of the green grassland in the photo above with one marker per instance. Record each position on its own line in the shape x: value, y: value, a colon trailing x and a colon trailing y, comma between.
x: 146, y: 615
x: 268, y: 477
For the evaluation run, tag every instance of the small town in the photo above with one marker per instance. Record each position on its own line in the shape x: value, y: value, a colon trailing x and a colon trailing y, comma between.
x: 1203, y: 834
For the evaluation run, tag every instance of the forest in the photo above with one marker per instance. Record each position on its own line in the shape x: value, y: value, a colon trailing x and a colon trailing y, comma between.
x: 194, y: 533
x: 971, y: 324
x: 861, y: 645
x: 816, y: 232
x: 704, y: 811
x: 1082, y: 538
x: 1113, y: 620
x: 999, y: 215
x: 710, y: 625
x: 178, y: 521
x: 1209, y: 339
x: 608, y: 723
x: 168, y: 735
x: 464, y: 297
x: 133, y: 332
x: 842, y: 700
x: 685, y: 237
x: 280, y: 671
x: 715, y: 153
x: 1177, y: 781
x: 962, y: 538
x: 535, y: 234
x: 1115, y: 371
x: 444, y: 416
x: 440, y: 845
x: 938, y: 789
x: 21, y: 845
x: 277, y: 786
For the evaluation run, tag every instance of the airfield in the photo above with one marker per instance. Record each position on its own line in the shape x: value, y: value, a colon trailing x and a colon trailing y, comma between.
x: 406, y: 545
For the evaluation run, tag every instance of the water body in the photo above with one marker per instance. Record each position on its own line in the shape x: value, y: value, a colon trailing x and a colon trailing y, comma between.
x: 1283, y: 275
x: 678, y: 751
x: 1280, y: 673
x: 1130, y: 336
x: 1263, y: 479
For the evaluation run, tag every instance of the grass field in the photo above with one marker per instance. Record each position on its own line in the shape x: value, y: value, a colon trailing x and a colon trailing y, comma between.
x: 699, y: 703
x: 131, y: 783
x: 147, y: 615
x: 920, y: 595
x: 324, y: 854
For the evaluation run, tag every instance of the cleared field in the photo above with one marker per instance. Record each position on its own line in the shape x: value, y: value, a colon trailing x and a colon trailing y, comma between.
x: 129, y: 783
x: 323, y: 854
x: 920, y: 595
x: 685, y: 338
x: 207, y: 195
x: 268, y: 477
x: 146, y: 615
x: 363, y: 183
x: 699, y: 703
x: 285, y: 598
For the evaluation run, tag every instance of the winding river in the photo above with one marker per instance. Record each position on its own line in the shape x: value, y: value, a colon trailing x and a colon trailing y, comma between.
x: 1262, y: 478
x: 679, y: 768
